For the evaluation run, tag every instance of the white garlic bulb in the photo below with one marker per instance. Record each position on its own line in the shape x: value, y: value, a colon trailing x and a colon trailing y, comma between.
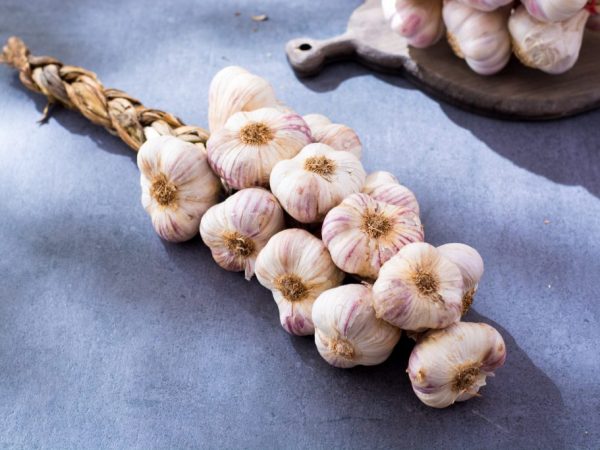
x: 297, y: 268
x: 337, y: 136
x: 246, y: 148
x: 418, y: 21
x: 316, y: 180
x: 362, y: 233
x: 451, y: 365
x: 419, y: 288
x: 470, y: 263
x: 480, y: 38
x: 177, y: 186
x: 553, y: 10
x: 551, y: 47
x: 384, y: 187
x: 486, y: 5
x: 347, y: 333
x: 238, y: 228
x: 234, y: 89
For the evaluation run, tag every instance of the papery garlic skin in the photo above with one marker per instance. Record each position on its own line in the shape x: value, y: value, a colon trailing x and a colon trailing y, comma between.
x: 347, y: 333
x: 237, y: 229
x: 452, y: 364
x: 244, y: 151
x: 362, y: 233
x: 486, y: 5
x: 470, y: 263
x: 178, y: 186
x: 418, y: 21
x: 296, y: 267
x: 550, y: 47
x: 419, y: 288
x: 480, y: 38
x: 378, y: 178
x: 234, y: 89
x: 316, y: 180
x: 337, y: 136
x: 553, y: 10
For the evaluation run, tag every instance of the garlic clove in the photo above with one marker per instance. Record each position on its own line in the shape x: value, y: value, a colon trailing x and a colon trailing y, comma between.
x: 419, y: 288
x: 480, y: 38
x: 234, y: 89
x: 316, y: 120
x: 362, y: 233
x: 178, y: 186
x: 378, y: 178
x: 337, y: 136
x: 238, y: 228
x: 418, y: 21
x: 551, y: 47
x: 297, y: 268
x: 347, y: 332
x: 245, y: 150
x: 553, y: 10
x: 470, y: 263
x: 452, y: 364
x: 316, y: 180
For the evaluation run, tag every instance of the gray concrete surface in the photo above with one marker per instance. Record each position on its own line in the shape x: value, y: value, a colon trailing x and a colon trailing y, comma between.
x: 110, y: 338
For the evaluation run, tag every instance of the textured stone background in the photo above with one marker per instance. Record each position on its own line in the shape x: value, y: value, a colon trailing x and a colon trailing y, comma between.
x: 111, y: 338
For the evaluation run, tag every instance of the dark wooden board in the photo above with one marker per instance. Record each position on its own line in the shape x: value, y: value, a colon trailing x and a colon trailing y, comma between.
x: 517, y: 92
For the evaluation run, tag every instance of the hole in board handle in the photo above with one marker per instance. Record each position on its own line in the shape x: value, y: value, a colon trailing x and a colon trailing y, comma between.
x: 305, y: 47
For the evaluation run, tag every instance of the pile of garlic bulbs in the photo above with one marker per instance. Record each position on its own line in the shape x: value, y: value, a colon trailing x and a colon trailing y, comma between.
x: 543, y: 34
x: 303, y: 216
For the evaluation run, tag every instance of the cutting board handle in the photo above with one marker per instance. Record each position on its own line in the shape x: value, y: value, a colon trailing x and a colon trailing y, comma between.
x: 307, y: 55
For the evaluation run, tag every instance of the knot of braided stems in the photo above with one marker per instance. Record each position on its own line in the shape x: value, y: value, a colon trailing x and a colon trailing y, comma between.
x: 78, y: 88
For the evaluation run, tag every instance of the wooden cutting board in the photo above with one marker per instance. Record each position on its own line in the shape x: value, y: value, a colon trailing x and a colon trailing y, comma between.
x: 517, y: 92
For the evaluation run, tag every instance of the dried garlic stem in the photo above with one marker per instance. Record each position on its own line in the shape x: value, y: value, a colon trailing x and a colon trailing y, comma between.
x: 80, y: 89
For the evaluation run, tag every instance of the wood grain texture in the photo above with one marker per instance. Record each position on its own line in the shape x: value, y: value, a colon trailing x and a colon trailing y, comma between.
x: 517, y: 92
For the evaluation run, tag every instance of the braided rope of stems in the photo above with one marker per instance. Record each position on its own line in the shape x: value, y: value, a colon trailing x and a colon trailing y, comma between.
x: 80, y: 89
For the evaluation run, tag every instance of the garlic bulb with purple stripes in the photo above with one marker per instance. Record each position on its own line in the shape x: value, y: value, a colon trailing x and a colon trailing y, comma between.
x: 244, y: 151
x: 237, y: 229
x: 451, y: 365
x: 419, y: 288
x: 347, y: 332
x: 418, y: 21
x: 336, y: 135
x: 316, y: 180
x: 362, y: 233
x: 296, y: 267
x: 177, y: 186
x: 553, y: 10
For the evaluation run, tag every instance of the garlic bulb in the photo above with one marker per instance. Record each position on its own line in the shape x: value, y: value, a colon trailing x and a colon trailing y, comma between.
x: 234, y: 89
x: 418, y: 21
x: 551, y: 47
x: 296, y: 267
x: 384, y: 187
x: 245, y: 150
x: 347, y: 333
x: 337, y: 136
x: 238, y: 228
x: 419, y: 288
x: 553, y: 10
x: 362, y: 233
x: 486, y: 5
x: 451, y: 365
x: 470, y: 263
x: 177, y: 186
x: 316, y: 180
x: 480, y: 38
